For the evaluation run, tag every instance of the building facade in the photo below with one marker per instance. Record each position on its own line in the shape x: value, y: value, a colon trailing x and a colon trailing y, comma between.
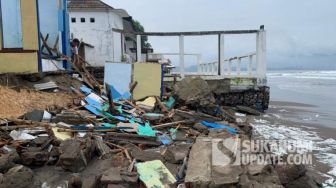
x: 92, y: 22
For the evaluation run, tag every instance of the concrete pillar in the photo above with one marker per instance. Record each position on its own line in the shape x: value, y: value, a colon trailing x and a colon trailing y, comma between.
x: 181, y: 46
x: 261, y: 54
x: 221, y: 55
x: 122, y: 38
x: 139, y: 48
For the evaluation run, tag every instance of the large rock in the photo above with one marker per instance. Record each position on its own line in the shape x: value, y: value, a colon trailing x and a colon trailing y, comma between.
x: 194, y: 91
x: 18, y: 177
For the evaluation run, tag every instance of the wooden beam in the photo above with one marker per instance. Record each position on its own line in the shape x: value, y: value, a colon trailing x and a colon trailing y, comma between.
x: 192, y: 33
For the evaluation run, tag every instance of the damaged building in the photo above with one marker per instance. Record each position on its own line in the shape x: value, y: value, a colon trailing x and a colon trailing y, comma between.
x: 33, y: 35
x: 92, y: 22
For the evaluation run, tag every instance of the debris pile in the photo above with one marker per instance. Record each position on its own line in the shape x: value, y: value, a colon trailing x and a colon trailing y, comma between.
x: 109, y: 139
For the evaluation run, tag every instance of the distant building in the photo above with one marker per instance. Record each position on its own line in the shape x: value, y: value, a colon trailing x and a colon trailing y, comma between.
x: 92, y: 21
x: 27, y: 28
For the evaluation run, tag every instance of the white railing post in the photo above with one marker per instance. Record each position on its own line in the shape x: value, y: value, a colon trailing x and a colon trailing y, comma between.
x: 181, y: 54
x: 139, y: 48
x: 199, y: 61
x: 113, y: 47
x: 250, y: 65
x: 238, y: 65
x: 229, y: 67
x: 221, y: 54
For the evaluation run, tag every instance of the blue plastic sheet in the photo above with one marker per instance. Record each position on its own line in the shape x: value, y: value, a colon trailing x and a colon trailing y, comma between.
x: 146, y: 130
x: 220, y: 126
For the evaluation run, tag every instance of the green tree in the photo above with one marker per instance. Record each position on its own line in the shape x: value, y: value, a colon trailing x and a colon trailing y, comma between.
x: 144, y: 39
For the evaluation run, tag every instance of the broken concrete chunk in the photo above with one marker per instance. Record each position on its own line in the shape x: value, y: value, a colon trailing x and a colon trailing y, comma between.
x: 199, y: 158
x: 72, y: 157
x: 143, y: 155
x: 8, y: 160
x: 176, y: 154
x: 223, y: 176
x: 111, y: 176
x: 18, y: 177
x: 34, y: 157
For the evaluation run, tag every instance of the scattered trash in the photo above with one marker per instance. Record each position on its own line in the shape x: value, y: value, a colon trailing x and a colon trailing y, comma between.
x: 46, y: 86
x: 155, y: 174
x: 21, y: 135
x: 220, y: 126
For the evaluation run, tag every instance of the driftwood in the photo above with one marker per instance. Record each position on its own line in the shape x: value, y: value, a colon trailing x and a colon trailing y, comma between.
x: 165, y: 125
x: 162, y: 106
x: 132, y: 138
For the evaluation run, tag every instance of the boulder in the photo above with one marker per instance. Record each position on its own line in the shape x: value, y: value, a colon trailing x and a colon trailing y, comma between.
x: 194, y: 91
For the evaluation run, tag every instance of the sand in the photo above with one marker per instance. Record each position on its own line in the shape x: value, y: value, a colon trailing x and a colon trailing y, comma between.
x: 15, y: 103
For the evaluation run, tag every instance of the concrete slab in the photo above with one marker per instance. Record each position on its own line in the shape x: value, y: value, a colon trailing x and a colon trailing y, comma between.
x: 199, y: 164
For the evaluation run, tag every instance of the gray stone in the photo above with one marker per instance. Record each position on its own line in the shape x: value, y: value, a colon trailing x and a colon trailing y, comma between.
x: 18, y: 177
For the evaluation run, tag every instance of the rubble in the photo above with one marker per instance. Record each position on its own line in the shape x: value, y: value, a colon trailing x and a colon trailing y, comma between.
x: 110, y: 139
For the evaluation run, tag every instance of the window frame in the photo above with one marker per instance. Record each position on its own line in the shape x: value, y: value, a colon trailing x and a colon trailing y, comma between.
x: 73, y: 20
x: 82, y: 20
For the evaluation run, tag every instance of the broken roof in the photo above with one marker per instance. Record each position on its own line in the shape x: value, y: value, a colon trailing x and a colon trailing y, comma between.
x: 88, y: 5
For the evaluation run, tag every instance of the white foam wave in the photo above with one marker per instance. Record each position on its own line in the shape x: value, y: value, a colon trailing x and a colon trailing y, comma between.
x: 321, y: 147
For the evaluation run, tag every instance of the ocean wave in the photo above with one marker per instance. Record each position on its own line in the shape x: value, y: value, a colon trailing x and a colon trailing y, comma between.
x: 329, y: 75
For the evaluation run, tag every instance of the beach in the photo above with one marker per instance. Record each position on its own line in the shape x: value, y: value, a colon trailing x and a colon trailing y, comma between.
x: 302, y: 107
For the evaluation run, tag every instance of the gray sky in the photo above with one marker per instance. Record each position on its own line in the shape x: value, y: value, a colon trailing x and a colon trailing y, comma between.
x: 299, y: 32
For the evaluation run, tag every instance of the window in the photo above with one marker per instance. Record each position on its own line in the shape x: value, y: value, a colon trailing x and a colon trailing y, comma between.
x: 11, y: 23
x: 73, y: 20
x: 92, y: 20
x: 83, y: 20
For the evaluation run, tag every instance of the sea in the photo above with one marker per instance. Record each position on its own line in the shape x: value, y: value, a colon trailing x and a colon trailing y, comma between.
x: 303, y: 107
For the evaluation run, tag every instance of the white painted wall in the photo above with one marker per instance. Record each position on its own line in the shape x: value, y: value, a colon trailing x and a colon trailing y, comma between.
x: 98, y: 34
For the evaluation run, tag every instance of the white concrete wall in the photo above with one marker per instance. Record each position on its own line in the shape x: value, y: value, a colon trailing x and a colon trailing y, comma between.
x: 98, y: 34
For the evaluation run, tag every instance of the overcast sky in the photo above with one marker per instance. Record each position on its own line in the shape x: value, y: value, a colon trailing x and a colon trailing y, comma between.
x: 299, y: 32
